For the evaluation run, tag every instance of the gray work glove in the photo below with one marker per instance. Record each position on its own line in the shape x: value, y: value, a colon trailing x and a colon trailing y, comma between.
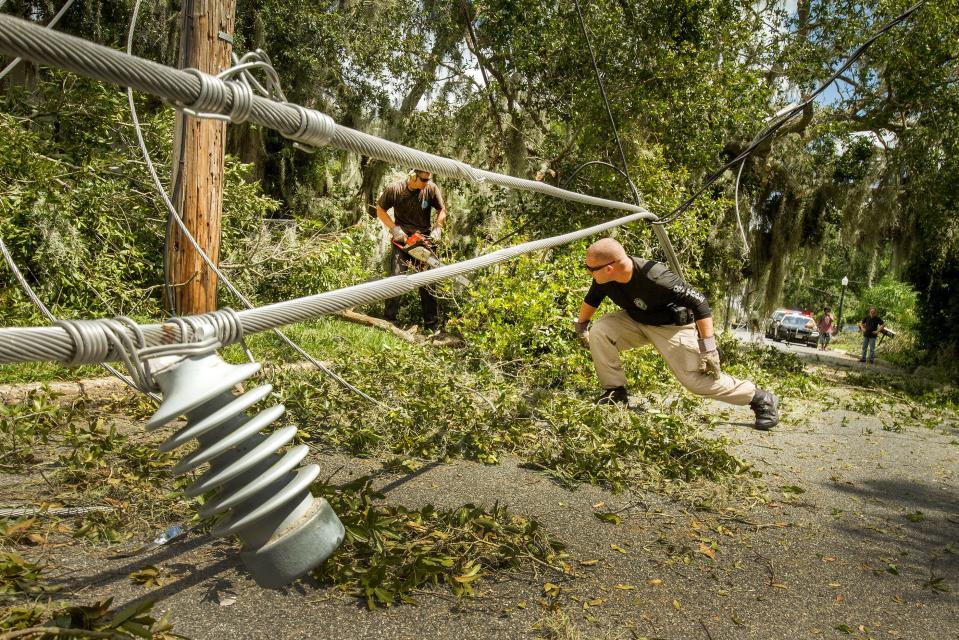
x: 436, y: 233
x: 398, y: 234
x: 709, y: 357
x: 582, y: 333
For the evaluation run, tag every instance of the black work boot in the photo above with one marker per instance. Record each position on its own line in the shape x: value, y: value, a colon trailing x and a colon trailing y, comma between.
x: 766, y: 407
x: 616, y: 395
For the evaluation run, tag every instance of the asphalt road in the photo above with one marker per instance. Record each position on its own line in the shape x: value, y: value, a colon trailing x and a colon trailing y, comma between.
x: 833, y: 356
x: 856, y: 538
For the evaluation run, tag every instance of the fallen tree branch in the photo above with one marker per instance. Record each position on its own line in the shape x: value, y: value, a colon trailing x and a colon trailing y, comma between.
x: 379, y: 323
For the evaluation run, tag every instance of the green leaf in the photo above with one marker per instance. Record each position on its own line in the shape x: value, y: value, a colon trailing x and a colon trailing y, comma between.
x: 132, y: 610
x: 609, y: 517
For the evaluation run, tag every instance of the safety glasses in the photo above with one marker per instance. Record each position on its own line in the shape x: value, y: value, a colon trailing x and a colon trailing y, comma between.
x: 595, y: 269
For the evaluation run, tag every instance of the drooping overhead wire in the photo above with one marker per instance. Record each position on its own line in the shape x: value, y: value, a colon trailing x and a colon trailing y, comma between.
x: 609, y: 110
x: 242, y: 68
x: 468, y: 19
x: 191, y: 89
x: 788, y: 115
x: 739, y: 219
x: 591, y: 163
x: 658, y: 230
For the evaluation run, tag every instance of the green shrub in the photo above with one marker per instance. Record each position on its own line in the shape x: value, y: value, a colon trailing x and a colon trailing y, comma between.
x: 895, y: 302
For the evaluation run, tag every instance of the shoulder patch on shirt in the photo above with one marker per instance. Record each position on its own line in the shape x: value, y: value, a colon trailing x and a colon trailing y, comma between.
x: 640, y: 303
x: 692, y: 293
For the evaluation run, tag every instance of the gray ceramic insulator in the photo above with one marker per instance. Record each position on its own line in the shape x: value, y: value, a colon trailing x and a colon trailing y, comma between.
x: 262, y: 497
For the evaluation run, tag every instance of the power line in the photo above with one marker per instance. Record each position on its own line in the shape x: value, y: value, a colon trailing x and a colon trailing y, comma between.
x: 609, y: 110
x: 24, y: 344
x: 196, y: 91
x: 658, y: 230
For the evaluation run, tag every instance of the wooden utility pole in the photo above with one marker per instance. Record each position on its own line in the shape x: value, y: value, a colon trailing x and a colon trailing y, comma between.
x: 198, y: 149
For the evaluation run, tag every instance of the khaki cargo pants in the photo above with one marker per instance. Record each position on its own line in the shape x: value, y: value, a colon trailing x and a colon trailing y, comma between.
x: 615, y: 332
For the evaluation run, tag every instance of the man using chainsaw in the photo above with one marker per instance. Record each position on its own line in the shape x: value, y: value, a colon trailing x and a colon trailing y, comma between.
x: 412, y: 200
x: 658, y: 308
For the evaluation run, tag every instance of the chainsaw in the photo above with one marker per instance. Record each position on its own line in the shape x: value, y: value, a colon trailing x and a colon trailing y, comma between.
x: 417, y: 246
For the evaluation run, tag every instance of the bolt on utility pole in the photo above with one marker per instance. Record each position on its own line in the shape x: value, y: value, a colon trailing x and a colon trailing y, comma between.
x: 198, y: 152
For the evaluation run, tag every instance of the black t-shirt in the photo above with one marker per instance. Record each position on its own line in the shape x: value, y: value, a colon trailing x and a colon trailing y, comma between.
x: 871, y: 325
x: 412, y: 208
x: 651, y: 295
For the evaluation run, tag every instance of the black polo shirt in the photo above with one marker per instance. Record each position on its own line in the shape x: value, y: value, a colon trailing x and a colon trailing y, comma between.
x: 651, y: 295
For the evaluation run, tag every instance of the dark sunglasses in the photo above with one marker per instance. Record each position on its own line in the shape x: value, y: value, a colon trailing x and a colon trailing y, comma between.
x: 422, y: 179
x: 595, y: 269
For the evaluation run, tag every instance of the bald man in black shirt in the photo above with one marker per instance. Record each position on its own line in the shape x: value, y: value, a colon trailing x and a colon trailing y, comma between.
x: 661, y: 310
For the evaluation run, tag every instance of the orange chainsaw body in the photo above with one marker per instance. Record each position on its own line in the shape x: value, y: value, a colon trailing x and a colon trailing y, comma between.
x: 417, y: 246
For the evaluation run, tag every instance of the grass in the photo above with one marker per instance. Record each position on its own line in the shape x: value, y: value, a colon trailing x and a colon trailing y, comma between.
x: 27, y: 372
x: 317, y: 337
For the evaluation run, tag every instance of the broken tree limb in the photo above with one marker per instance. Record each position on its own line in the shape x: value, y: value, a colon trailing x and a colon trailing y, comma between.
x: 379, y: 323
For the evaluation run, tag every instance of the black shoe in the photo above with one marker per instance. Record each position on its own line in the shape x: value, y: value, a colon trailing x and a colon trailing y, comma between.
x: 766, y: 407
x: 616, y: 395
x: 862, y: 360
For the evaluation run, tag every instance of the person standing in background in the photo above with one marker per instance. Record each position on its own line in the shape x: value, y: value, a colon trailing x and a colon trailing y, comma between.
x: 870, y: 326
x: 825, y: 327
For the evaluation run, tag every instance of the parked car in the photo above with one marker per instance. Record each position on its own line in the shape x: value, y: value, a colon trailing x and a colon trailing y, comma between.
x: 773, y: 322
x: 797, y: 328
